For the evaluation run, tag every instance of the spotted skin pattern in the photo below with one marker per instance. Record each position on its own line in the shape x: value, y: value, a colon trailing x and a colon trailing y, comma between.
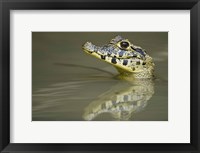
x: 128, y: 59
x: 135, y: 66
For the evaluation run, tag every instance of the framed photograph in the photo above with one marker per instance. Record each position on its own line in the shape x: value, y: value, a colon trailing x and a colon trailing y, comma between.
x: 99, y: 76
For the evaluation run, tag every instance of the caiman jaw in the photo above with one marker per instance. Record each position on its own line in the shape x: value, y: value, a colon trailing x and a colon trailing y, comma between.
x: 130, y: 61
x: 122, y: 64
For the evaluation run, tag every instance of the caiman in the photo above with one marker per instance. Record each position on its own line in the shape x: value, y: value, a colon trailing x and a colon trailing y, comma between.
x: 130, y: 60
x: 135, y: 66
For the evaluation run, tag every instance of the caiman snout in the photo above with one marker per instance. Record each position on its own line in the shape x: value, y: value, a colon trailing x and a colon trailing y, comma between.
x: 88, y: 47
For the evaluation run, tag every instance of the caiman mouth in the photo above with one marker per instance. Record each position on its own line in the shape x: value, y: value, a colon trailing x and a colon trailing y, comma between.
x: 128, y: 61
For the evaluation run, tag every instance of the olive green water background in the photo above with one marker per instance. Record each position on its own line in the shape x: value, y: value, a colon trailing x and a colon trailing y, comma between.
x: 66, y: 80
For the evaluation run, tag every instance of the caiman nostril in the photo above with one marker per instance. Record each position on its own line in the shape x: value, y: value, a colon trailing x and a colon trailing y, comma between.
x: 88, y: 47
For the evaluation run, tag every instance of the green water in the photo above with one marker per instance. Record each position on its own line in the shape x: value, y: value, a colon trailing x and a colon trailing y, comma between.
x: 70, y: 85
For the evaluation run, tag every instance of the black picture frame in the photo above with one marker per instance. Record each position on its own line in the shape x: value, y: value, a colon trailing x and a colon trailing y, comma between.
x: 7, y: 5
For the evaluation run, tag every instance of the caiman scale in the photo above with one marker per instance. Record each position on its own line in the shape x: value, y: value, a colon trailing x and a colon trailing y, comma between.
x: 128, y: 59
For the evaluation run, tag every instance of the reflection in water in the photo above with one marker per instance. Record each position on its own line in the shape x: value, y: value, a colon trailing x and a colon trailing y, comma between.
x: 122, y: 100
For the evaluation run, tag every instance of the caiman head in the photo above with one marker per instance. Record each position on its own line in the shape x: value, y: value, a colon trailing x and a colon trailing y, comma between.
x: 128, y: 59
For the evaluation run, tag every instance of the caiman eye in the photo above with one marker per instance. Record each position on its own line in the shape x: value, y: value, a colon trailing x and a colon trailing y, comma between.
x: 124, y: 44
